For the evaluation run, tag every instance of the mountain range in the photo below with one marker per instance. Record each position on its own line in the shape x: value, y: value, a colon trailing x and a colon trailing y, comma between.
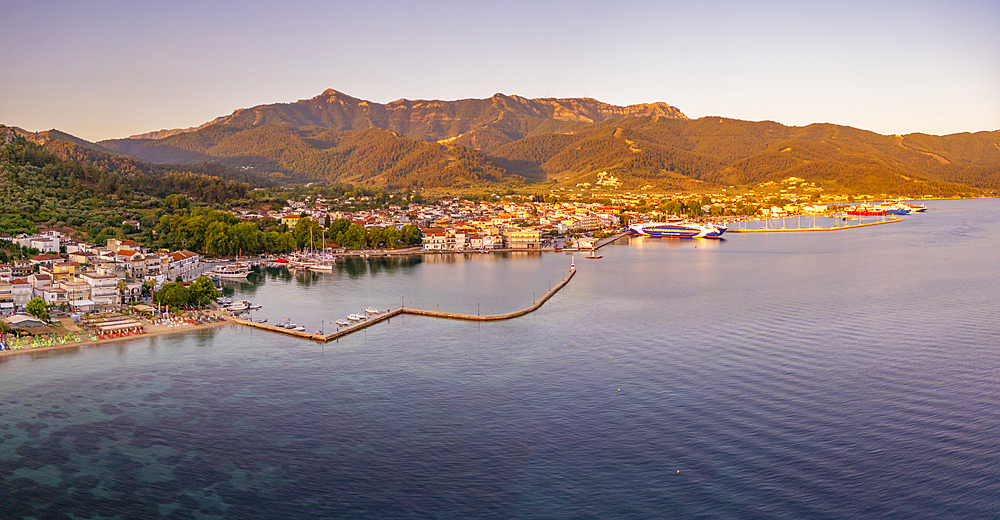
x: 560, y: 143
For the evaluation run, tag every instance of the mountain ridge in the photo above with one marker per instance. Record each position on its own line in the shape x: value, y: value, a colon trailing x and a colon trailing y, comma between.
x: 564, y: 143
x: 431, y: 120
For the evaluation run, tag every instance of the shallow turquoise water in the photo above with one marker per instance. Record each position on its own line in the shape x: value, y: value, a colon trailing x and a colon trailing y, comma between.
x: 815, y: 375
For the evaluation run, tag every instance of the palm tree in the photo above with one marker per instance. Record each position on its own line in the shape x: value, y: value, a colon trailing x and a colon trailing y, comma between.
x: 122, y: 287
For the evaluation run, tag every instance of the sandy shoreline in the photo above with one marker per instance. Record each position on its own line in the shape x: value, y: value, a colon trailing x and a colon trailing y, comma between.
x: 151, y: 330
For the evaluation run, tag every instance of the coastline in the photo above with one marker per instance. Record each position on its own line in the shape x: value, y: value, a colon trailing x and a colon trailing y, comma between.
x: 153, y: 330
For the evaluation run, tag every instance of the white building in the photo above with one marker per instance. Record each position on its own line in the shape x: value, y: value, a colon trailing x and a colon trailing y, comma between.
x: 47, y: 242
x: 21, y: 290
x: 183, y: 263
x: 435, y: 239
x: 102, y: 288
x: 52, y: 295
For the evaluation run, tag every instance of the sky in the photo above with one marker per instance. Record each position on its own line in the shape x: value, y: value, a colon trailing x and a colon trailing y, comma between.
x: 107, y: 69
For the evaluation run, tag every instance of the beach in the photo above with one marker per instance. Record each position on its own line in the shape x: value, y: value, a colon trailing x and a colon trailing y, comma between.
x: 150, y: 330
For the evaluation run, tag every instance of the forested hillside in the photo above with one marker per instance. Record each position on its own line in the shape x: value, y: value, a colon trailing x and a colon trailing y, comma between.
x: 372, y: 157
x: 37, y: 186
x: 719, y: 152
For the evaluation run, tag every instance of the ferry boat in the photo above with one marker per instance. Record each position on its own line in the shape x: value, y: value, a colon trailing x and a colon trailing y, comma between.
x: 894, y: 208
x: 677, y: 229
x: 865, y: 210
x: 231, y: 271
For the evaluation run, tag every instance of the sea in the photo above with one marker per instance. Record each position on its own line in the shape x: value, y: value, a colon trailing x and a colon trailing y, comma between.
x: 849, y: 374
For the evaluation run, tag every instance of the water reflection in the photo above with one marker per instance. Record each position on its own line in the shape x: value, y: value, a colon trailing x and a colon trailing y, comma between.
x: 357, y: 266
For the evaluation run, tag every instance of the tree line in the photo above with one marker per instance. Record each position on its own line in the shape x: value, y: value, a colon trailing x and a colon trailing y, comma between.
x: 220, y: 233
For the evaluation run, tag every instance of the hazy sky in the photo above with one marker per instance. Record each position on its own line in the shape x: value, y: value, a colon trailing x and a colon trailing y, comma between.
x: 104, y: 69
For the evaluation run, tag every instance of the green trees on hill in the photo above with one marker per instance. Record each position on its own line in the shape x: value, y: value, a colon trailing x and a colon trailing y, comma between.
x: 372, y: 156
x: 38, y: 188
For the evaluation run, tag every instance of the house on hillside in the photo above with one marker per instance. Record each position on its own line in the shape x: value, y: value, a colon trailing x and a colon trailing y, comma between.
x: 45, y: 259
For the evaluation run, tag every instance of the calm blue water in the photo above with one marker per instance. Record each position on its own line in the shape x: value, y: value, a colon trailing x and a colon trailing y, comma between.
x: 846, y: 374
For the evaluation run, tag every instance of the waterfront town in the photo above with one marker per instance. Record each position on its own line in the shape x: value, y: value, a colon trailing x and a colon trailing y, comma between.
x: 78, y: 276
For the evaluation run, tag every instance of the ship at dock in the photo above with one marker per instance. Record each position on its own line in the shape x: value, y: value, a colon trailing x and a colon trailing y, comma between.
x: 677, y: 229
x: 236, y: 271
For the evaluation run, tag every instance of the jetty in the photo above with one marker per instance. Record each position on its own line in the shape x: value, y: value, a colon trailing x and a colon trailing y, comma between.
x: 343, y: 331
x: 605, y: 241
x: 800, y: 229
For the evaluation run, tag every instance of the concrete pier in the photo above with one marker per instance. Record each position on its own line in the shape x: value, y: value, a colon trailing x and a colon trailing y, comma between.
x: 605, y: 241
x: 343, y: 331
x: 795, y: 230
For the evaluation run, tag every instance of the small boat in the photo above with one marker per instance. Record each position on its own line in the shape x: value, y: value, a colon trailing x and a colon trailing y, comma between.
x: 261, y: 320
x: 237, y: 307
x: 354, y: 317
x: 300, y: 328
x: 343, y: 323
x: 371, y: 310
